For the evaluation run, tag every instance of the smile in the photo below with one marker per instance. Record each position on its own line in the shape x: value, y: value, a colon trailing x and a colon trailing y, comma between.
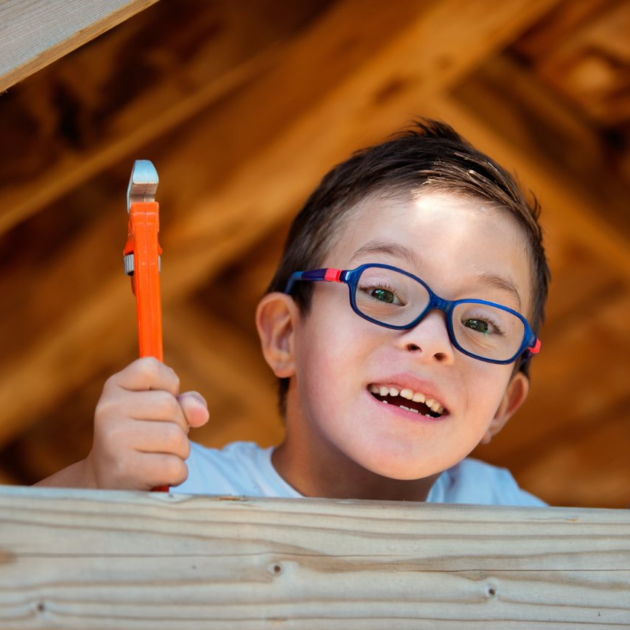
x: 416, y: 402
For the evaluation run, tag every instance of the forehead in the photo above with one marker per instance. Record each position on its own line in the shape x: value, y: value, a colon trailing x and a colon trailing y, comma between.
x: 461, y: 245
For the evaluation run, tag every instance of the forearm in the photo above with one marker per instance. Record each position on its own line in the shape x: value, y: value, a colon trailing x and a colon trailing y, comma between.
x: 77, y: 475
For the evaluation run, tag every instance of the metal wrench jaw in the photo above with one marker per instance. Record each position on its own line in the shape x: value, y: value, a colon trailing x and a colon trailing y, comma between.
x: 143, y: 183
x: 142, y: 187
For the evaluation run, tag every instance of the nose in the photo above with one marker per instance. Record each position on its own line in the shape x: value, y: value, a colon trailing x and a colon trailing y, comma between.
x: 429, y: 339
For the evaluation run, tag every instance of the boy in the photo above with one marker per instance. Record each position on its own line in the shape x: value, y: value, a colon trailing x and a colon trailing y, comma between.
x: 400, y: 323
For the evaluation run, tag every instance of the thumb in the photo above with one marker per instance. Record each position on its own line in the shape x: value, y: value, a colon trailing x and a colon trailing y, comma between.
x: 195, y: 408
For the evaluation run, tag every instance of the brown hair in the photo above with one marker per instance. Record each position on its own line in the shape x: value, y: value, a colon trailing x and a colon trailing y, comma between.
x: 429, y: 155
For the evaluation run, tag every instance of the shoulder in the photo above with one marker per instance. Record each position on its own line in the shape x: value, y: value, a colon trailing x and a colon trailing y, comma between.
x: 475, y: 482
x: 238, y: 469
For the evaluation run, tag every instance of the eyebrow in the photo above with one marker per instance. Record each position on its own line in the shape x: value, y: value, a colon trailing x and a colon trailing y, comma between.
x: 404, y: 253
x: 386, y: 247
x: 501, y: 283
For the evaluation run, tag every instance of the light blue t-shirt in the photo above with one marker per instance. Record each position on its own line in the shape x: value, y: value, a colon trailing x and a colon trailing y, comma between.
x: 245, y: 469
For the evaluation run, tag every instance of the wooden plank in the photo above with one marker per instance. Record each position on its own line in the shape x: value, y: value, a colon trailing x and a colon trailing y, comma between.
x: 264, y: 172
x: 34, y: 34
x: 214, y: 47
x: 77, y: 558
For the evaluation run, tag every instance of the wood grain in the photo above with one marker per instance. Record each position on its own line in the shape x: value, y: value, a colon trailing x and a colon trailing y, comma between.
x: 85, y: 559
x: 36, y: 33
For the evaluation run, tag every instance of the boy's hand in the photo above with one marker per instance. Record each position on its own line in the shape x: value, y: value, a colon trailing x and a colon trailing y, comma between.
x: 141, y: 428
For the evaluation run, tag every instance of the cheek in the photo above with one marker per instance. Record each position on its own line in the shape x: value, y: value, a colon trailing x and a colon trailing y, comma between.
x: 331, y: 354
x: 486, y: 387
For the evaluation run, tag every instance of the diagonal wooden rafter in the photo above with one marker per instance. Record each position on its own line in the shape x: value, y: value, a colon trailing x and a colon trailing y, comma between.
x: 34, y: 34
x: 288, y: 145
x: 535, y: 122
x: 123, y: 112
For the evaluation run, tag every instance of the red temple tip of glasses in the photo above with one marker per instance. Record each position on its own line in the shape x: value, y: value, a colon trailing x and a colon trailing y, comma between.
x: 332, y: 275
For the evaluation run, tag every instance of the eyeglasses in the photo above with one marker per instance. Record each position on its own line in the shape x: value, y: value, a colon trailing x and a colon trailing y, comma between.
x: 397, y: 299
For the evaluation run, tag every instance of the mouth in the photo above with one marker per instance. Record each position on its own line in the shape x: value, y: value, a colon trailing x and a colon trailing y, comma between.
x: 409, y: 400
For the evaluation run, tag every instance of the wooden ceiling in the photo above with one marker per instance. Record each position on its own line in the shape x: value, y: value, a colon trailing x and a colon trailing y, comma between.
x: 243, y: 107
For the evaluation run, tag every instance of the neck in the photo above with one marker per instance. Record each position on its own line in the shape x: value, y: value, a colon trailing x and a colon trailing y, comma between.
x: 330, y: 474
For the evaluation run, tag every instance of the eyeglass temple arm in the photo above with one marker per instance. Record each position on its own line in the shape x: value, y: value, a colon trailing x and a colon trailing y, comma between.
x: 329, y: 275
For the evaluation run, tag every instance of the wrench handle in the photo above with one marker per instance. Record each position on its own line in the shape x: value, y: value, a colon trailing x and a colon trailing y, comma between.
x: 144, y: 226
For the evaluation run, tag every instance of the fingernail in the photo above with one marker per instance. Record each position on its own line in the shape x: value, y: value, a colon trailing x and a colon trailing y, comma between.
x: 199, y: 396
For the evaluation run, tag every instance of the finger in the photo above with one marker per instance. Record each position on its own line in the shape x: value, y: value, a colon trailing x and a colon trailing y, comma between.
x: 147, y: 374
x: 157, y: 470
x: 165, y: 438
x: 153, y: 405
x: 195, y: 408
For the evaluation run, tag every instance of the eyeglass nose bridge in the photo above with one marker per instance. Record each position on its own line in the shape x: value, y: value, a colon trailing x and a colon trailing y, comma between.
x: 436, y: 303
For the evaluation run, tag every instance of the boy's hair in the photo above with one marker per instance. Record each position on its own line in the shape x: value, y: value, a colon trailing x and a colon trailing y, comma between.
x: 430, y: 156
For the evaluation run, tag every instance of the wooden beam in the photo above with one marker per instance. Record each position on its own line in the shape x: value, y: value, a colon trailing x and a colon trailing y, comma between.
x: 119, y: 114
x: 537, y: 123
x: 90, y: 559
x: 273, y: 159
x: 34, y: 34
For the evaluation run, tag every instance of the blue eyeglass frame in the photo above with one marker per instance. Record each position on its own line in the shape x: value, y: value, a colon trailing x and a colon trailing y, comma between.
x: 530, y: 344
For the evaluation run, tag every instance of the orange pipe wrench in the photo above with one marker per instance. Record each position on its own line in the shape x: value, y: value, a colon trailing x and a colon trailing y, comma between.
x: 142, y: 255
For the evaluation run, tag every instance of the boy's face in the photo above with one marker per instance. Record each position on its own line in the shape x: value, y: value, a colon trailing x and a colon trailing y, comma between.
x: 460, y: 248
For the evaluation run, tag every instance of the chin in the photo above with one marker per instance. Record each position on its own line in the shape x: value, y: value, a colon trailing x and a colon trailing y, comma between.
x: 397, y: 468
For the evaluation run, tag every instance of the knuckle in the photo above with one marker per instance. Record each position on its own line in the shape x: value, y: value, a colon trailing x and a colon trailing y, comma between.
x: 176, y: 440
x: 173, y: 378
x: 167, y: 403
x: 176, y: 470
x: 148, y: 367
x: 186, y: 447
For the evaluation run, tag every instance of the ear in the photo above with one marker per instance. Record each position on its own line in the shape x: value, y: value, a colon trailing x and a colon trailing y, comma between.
x: 515, y: 395
x: 276, y: 316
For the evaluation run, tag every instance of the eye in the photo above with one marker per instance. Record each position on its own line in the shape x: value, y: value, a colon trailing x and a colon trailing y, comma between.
x: 481, y: 326
x: 383, y: 295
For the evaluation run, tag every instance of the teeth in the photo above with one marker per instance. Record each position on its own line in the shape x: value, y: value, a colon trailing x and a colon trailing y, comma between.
x: 384, y: 390
x: 409, y: 409
x: 407, y: 393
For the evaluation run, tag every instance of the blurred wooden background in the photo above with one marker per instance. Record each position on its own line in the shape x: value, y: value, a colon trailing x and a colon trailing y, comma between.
x: 243, y: 107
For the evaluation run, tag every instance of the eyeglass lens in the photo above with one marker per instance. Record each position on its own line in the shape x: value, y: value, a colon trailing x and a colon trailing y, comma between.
x: 393, y: 298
